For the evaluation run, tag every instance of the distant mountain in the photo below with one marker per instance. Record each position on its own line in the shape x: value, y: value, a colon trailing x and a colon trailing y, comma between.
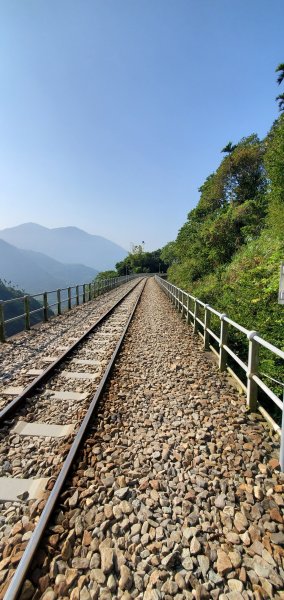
x: 68, y: 273
x: 66, y: 244
x: 34, y: 272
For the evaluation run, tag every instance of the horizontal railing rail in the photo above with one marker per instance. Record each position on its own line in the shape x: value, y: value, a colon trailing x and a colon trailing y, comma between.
x: 190, y: 307
x: 54, y: 302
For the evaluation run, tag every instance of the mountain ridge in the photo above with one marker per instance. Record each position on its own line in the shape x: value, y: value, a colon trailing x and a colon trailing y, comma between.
x: 68, y: 244
x: 36, y: 272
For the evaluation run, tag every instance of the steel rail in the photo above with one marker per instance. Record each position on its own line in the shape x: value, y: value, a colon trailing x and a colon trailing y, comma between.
x: 29, y: 389
x: 25, y: 562
x: 56, y: 336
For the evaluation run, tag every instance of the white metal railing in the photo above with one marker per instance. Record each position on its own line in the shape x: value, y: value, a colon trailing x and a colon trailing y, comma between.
x: 55, y: 302
x: 190, y: 308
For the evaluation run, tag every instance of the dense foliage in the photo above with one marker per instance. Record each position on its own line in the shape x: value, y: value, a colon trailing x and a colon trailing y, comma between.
x: 105, y: 275
x: 229, y: 250
x: 139, y: 261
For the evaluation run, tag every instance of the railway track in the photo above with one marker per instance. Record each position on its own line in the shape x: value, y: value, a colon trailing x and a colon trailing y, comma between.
x: 19, y: 354
x: 42, y: 428
x: 175, y: 490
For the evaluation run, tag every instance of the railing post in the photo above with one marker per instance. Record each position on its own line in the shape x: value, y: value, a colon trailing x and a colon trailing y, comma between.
x: 183, y: 304
x: 27, y: 313
x: 2, y: 323
x: 59, y: 302
x: 281, y: 458
x: 253, y: 359
x: 207, y: 318
x: 77, y: 296
x: 69, y: 298
x: 223, y: 354
x: 187, y: 309
x: 195, y: 325
x: 84, y: 293
x: 45, y: 307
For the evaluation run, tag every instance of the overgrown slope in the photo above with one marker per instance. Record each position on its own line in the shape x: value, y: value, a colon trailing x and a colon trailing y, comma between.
x: 229, y: 250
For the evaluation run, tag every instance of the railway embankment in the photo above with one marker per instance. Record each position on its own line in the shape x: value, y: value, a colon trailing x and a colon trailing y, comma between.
x: 176, y: 491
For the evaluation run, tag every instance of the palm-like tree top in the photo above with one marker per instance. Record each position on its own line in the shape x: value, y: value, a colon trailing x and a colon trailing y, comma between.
x: 280, y: 69
x: 229, y: 148
x: 280, y: 78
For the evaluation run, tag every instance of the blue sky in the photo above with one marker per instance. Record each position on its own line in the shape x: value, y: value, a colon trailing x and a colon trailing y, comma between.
x: 113, y: 112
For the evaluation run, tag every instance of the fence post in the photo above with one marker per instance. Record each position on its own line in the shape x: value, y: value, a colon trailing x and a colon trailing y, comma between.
x: 2, y: 324
x: 207, y: 318
x: 253, y: 359
x: 187, y: 309
x: 45, y: 307
x: 77, y: 296
x: 223, y: 354
x: 281, y: 458
x: 184, y: 305
x: 27, y: 313
x: 84, y: 293
x: 195, y: 316
x: 59, y: 302
x: 69, y: 298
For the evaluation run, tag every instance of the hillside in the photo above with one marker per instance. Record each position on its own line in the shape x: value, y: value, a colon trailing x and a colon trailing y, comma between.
x: 229, y: 250
x: 66, y: 244
x: 34, y: 272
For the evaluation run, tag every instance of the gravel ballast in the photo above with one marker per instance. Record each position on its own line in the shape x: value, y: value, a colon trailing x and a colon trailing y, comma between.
x: 176, y: 492
x: 28, y: 349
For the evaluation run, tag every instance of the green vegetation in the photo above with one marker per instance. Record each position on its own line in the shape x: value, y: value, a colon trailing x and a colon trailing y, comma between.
x: 16, y: 308
x: 105, y: 275
x: 229, y: 250
x: 280, y: 78
x: 138, y: 261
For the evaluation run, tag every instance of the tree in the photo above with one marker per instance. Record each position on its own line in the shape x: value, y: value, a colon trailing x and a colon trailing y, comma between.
x: 142, y: 262
x: 105, y: 275
x: 168, y: 253
x: 280, y: 69
x: 274, y: 164
x: 280, y: 78
x: 229, y: 148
